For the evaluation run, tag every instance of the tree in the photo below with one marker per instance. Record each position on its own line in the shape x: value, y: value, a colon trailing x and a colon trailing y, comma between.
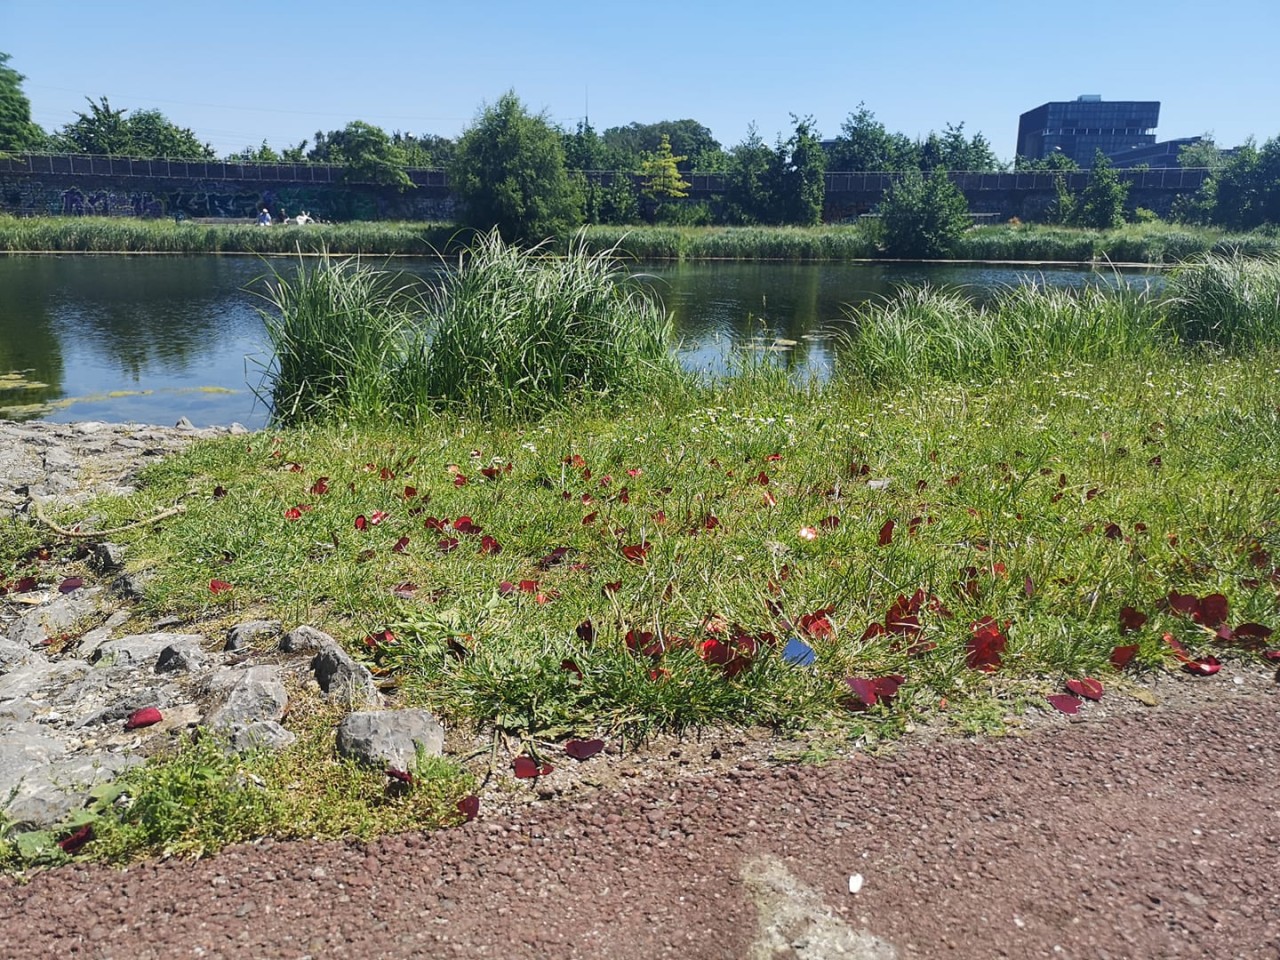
x: 17, y: 132
x: 371, y: 157
x: 1101, y: 204
x: 1054, y: 162
x: 923, y: 217
x: 865, y: 144
x: 748, y: 185
x: 799, y: 182
x: 690, y: 139
x: 1202, y: 153
x: 148, y: 133
x: 509, y: 172
x: 661, y: 172
x: 259, y: 154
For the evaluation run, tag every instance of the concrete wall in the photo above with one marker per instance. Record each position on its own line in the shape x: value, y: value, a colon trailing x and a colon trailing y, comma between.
x: 67, y: 185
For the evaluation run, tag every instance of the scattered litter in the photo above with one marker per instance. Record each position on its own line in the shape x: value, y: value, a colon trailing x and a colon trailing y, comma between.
x: 855, y: 883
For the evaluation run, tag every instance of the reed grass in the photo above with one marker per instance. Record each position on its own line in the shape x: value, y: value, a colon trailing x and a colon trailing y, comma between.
x: 513, y: 332
x: 922, y: 333
x: 1228, y: 301
x: 337, y: 329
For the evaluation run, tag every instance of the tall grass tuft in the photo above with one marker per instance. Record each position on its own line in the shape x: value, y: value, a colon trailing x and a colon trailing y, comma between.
x: 1227, y: 301
x: 923, y: 333
x: 514, y: 332
x: 337, y: 328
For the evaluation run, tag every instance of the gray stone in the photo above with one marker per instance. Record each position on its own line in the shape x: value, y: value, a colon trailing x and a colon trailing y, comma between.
x: 342, y: 679
x: 96, y: 637
x: 127, y: 705
x: 305, y: 639
x: 390, y: 737
x: 242, y: 634
x: 107, y: 557
x: 58, y: 616
x: 183, y: 657
x: 184, y: 424
x: 261, y: 735
x: 252, y: 694
x: 24, y: 749
x: 143, y: 648
x: 13, y: 654
x: 48, y: 794
x: 132, y: 586
x: 41, y: 680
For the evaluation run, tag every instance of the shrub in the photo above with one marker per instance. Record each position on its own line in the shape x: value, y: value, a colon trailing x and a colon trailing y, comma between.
x: 924, y: 218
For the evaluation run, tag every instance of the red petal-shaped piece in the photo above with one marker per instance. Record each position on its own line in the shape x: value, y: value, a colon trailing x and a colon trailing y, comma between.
x: 70, y: 585
x: 71, y: 844
x: 528, y: 586
x: 1211, y: 610
x: 1131, y: 619
x: 362, y: 522
x: 506, y: 588
x: 469, y: 807
x: 1120, y: 656
x: 1087, y: 687
x: 887, y: 687
x: 447, y: 544
x: 320, y: 487
x: 405, y: 591
x: 1256, y: 631
x: 986, y: 645
x: 1204, y: 667
x: 143, y: 718
x: 399, y: 545
x: 219, y: 586
x: 490, y: 546
x: 1065, y: 703
x: 886, y: 533
x: 527, y: 768
x: 636, y: 552
x: 610, y: 588
x: 583, y: 749
x: 1272, y: 655
x: 401, y: 776
x: 863, y: 693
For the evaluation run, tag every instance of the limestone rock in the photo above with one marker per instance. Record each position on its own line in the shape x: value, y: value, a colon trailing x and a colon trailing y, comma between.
x: 390, y: 737
x: 252, y: 694
x: 242, y: 634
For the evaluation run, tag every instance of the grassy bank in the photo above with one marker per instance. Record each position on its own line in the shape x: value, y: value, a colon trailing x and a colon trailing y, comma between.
x: 1135, y: 243
x: 124, y: 235
x: 951, y: 531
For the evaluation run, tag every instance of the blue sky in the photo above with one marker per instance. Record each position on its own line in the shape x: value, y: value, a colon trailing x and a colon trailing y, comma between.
x: 238, y: 72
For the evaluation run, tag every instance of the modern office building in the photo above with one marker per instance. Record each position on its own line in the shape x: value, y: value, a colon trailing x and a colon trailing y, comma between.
x: 1080, y: 127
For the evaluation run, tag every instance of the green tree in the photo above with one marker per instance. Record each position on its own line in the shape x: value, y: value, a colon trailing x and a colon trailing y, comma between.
x: 259, y: 154
x: 1101, y: 204
x: 371, y: 157
x: 147, y: 133
x: 618, y: 201
x: 799, y: 182
x: 510, y: 173
x: 17, y: 131
x: 1056, y: 161
x: 102, y: 130
x: 748, y: 185
x: 689, y: 139
x: 923, y: 217
x: 661, y: 173
x: 1203, y: 153
x: 865, y: 144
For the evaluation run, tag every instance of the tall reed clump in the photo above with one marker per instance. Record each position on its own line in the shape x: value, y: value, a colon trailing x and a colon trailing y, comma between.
x: 337, y: 328
x: 1227, y: 301
x: 513, y: 332
x: 923, y: 333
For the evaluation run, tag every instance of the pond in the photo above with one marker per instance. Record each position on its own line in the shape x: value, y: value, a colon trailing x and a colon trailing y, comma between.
x: 154, y: 338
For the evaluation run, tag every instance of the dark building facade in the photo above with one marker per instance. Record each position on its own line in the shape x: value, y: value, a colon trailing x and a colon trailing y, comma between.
x: 1078, y: 128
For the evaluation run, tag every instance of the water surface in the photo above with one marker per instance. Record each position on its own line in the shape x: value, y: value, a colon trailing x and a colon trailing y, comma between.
x: 151, y: 338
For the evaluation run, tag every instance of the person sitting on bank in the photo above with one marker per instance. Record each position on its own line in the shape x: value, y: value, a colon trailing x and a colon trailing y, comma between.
x: 264, y: 218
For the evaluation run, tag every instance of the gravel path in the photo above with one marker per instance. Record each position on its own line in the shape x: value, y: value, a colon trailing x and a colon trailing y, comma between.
x: 1146, y: 835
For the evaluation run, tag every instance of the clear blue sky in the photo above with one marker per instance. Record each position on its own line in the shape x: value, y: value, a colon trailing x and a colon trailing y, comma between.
x: 241, y: 71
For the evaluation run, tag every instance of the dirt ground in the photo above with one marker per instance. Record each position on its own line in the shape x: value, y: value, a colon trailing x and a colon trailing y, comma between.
x: 1145, y: 834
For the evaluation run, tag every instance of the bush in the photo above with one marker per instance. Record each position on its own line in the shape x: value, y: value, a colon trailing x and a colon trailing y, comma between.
x: 924, y: 218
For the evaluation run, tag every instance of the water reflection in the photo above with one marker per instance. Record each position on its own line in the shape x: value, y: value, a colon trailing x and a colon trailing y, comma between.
x: 155, y: 338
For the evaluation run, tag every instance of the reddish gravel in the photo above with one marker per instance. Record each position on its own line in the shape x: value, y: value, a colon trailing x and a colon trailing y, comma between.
x: 1150, y: 835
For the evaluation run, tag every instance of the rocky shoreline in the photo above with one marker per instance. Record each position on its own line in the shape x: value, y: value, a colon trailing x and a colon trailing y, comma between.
x: 85, y: 693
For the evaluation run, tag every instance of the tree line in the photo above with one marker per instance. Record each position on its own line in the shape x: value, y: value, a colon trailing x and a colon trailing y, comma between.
x: 529, y: 173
